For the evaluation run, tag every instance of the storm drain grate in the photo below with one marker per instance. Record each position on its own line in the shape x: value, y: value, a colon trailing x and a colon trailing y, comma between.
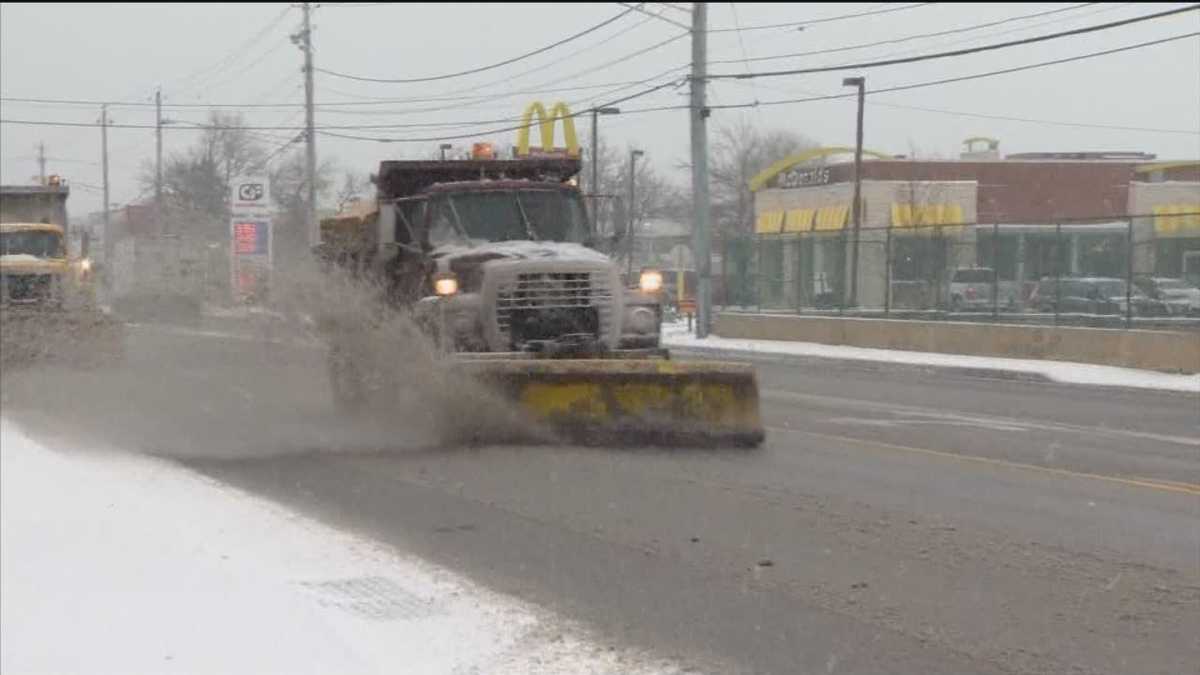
x: 376, y: 598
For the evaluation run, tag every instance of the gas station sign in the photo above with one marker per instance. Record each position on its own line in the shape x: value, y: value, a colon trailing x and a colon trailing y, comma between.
x: 250, y: 237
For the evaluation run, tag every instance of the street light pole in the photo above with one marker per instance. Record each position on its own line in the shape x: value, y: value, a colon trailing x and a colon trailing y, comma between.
x: 594, y: 185
x: 859, y: 82
x: 444, y: 147
x: 633, y: 155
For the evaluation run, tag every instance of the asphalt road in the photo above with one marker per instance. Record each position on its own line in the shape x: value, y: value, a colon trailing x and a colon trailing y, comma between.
x: 898, y: 520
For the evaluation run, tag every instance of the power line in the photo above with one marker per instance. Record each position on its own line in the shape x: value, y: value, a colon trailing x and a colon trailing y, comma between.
x: 1006, y: 118
x: 493, y: 66
x: 280, y: 44
x: 67, y: 102
x: 677, y: 8
x: 905, y: 87
x: 544, y: 87
x: 906, y: 38
x: 828, y: 19
x: 742, y: 44
x: 479, y: 95
x: 659, y: 87
x: 490, y: 97
x: 330, y: 107
x: 659, y: 16
x: 230, y: 58
x: 976, y: 76
x: 1103, y: 9
x: 956, y: 52
x: 573, y: 115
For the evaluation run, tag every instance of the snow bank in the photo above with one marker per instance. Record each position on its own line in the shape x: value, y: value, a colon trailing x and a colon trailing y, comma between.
x: 117, y: 563
x: 676, y: 335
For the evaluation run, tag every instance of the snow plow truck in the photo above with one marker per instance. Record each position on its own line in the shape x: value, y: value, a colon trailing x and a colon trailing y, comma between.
x: 48, y: 310
x: 497, y: 263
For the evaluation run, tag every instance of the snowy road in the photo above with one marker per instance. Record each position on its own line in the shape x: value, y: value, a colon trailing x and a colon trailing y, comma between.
x: 898, y: 520
x: 118, y: 563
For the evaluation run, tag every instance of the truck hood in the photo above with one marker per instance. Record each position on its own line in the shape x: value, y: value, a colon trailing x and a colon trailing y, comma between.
x: 23, y: 263
x: 460, y: 254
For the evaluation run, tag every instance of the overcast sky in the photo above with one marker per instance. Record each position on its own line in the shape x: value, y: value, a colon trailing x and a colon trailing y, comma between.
x: 241, y: 54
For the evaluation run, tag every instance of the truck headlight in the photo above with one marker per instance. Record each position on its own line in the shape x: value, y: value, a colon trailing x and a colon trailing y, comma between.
x: 651, y: 281
x: 445, y: 285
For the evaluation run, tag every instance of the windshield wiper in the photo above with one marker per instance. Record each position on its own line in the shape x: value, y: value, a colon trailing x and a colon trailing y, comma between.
x: 462, y: 229
x: 529, y: 231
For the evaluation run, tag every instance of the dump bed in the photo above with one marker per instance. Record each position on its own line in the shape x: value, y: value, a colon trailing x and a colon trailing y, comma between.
x: 34, y: 204
x: 405, y: 178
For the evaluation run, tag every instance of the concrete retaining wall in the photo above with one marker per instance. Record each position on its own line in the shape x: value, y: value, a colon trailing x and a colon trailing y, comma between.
x: 1170, y: 351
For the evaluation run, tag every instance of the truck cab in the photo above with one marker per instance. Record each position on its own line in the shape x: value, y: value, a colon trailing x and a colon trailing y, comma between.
x: 497, y: 256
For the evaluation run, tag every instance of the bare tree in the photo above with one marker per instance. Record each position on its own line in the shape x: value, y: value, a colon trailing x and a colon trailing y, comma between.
x: 353, y: 189
x: 289, y: 190
x: 654, y: 195
x: 196, y: 181
x: 920, y: 253
x: 740, y: 152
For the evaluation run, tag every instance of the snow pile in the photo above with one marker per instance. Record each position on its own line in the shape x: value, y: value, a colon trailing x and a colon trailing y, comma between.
x: 676, y: 335
x: 117, y: 563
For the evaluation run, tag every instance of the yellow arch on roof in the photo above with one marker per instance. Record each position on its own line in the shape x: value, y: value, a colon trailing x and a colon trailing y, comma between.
x: 985, y: 139
x: 786, y: 163
x: 1166, y: 166
x: 546, y: 124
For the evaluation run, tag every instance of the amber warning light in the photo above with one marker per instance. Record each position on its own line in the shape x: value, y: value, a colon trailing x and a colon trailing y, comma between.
x: 483, y: 151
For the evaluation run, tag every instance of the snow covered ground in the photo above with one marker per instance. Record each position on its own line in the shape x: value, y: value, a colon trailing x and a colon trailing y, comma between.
x: 676, y: 335
x: 119, y: 563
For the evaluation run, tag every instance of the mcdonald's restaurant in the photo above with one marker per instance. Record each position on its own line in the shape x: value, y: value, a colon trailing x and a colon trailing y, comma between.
x: 1026, y: 216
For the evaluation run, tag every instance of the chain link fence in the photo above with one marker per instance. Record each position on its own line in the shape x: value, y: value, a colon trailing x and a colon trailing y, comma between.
x: 1133, y: 270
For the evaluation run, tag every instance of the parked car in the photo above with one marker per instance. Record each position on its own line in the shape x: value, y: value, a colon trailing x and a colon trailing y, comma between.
x: 1180, y: 297
x: 1092, y: 295
x: 971, y: 290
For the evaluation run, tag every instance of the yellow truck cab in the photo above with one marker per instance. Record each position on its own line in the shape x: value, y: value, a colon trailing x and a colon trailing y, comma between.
x: 34, y: 266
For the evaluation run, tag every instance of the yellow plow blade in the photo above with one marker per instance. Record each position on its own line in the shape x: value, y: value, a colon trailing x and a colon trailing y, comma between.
x: 629, y: 401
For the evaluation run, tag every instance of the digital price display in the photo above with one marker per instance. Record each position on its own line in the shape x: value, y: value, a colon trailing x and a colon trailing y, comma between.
x: 250, y: 238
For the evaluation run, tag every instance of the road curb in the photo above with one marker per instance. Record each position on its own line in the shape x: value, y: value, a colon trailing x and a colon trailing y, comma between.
x: 866, y: 364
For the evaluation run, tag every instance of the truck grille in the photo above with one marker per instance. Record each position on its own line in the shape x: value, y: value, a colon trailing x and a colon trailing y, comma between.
x: 564, y: 302
x: 26, y: 287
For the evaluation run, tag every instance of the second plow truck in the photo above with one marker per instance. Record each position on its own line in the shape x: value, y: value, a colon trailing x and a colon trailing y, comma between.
x: 495, y: 259
x: 48, y: 310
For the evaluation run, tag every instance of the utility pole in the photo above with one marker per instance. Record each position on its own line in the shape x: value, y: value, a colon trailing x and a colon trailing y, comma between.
x: 42, y: 164
x: 632, y: 209
x: 701, y: 226
x: 108, y: 235
x: 310, y: 140
x: 158, y: 181
x: 856, y: 209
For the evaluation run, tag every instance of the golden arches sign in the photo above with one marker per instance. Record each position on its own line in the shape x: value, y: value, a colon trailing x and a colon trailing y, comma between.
x: 546, y: 124
x: 759, y: 181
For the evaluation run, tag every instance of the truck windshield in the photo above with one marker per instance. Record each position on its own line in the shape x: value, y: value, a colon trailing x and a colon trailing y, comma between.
x: 550, y: 215
x: 34, y: 243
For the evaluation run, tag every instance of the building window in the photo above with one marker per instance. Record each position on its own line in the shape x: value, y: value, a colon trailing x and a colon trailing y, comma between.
x: 918, y: 258
x: 999, y: 253
x: 1170, y: 256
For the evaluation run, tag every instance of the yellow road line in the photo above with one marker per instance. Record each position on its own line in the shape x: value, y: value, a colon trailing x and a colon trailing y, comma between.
x: 1154, y: 484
